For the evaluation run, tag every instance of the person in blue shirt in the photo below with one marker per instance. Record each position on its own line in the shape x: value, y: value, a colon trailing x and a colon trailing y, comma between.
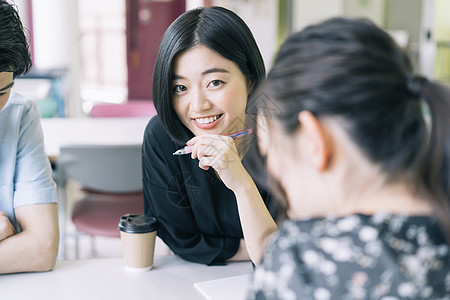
x: 29, y: 232
x: 358, y: 146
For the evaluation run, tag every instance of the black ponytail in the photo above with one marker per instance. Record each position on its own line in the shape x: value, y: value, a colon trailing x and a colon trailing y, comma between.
x: 435, y: 164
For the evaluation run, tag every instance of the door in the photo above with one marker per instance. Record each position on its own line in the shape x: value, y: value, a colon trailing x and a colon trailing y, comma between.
x: 147, y: 20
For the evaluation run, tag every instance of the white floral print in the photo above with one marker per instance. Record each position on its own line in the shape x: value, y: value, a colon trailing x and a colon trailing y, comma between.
x: 382, y: 256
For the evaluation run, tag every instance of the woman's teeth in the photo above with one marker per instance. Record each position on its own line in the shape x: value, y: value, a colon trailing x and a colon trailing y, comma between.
x: 206, y: 120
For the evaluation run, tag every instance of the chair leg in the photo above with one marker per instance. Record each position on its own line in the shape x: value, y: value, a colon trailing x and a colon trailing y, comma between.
x: 93, y: 249
x: 77, y: 246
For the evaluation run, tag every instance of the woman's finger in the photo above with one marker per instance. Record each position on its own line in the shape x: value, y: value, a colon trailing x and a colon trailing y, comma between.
x: 204, y: 163
x: 209, y: 150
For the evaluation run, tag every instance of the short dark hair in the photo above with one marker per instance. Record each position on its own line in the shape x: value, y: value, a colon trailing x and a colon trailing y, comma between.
x: 353, y: 70
x: 217, y: 28
x: 14, y: 51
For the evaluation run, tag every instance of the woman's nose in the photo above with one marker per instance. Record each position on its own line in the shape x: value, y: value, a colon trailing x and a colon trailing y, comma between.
x: 199, y: 102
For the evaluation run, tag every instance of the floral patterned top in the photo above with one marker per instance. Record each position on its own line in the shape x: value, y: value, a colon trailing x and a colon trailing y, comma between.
x: 355, y: 257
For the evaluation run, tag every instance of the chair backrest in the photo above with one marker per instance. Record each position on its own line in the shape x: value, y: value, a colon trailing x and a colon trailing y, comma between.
x: 103, y: 168
x: 136, y: 108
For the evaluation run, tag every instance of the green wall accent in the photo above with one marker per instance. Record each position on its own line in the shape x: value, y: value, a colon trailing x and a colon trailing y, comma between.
x: 442, y: 37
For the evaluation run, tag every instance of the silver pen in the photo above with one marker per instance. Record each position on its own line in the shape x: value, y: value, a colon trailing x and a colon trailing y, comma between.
x: 236, y: 135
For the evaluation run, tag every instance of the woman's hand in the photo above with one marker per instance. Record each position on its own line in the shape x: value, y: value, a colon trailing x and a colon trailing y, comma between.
x: 219, y: 152
x: 6, y: 228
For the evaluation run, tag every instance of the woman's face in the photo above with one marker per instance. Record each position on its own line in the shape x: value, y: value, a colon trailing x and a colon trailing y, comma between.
x: 210, y: 92
x: 276, y: 147
x: 287, y: 159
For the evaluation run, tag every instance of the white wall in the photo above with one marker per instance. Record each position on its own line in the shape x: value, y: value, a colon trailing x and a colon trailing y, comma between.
x: 261, y: 17
x: 307, y: 12
x: 190, y: 4
x: 23, y: 12
x: 52, y: 39
x: 374, y: 10
x: 56, y: 44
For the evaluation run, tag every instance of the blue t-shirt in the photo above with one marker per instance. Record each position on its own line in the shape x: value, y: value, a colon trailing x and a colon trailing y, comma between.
x: 25, y: 172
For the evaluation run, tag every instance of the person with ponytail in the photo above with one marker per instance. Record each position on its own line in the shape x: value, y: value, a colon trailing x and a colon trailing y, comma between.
x: 357, y: 149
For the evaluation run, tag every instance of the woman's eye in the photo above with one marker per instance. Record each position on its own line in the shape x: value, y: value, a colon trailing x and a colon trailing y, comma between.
x: 179, y: 88
x: 215, y: 83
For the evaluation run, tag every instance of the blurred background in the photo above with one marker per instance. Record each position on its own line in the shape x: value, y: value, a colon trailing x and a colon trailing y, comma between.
x: 93, y: 60
x: 87, y: 52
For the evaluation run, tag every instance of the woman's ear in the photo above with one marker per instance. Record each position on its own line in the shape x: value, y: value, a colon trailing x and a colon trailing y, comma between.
x: 262, y: 135
x: 250, y: 85
x: 320, y: 145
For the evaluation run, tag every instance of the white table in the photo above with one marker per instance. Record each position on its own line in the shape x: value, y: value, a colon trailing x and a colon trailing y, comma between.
x: 63, y: 131
x: 106, y: 278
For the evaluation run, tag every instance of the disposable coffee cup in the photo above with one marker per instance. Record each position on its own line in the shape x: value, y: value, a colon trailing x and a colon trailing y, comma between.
x: 138, y: 233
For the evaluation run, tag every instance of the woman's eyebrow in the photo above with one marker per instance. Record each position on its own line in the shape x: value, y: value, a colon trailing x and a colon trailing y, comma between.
x: 215, y: 70
x: 7, y: 87
x: 209, y: 71
x: 175, y: 77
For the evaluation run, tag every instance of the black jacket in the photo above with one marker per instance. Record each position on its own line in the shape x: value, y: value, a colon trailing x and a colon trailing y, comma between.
x: 197, y: 213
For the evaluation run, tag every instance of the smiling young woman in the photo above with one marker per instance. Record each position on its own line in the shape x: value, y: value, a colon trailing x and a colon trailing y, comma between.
x: 208, y: 207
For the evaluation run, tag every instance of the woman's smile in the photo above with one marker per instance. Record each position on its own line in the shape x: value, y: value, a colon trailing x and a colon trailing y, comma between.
x: 207, y: 122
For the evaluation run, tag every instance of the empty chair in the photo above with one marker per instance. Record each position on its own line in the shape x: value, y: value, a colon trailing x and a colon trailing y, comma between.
x: 111, y: 177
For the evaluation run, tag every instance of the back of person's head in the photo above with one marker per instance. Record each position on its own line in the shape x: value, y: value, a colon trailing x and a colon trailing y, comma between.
x: 14, y: 52
x: 217, y: 28
x: 354, y: 71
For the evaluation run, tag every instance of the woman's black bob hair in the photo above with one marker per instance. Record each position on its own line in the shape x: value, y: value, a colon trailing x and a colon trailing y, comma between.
x: 216, y: 28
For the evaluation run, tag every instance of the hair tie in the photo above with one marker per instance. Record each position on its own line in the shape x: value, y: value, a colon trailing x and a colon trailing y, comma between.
x: 415, y: 84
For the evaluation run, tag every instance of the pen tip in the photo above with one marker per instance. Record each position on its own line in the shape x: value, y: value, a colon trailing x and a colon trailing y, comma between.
x: 178, y: 152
